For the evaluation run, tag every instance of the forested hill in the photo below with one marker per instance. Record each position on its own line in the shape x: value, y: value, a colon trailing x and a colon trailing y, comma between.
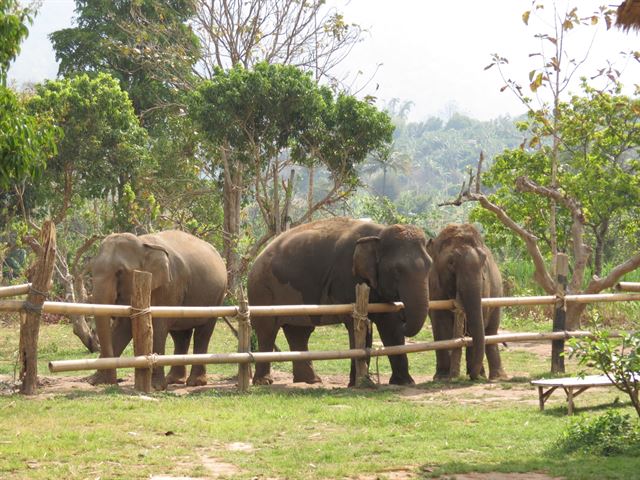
x: 430, y: 159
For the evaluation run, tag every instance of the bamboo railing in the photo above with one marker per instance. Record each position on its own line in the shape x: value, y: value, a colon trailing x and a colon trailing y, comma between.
x: 301, y: 310
x: 628, y: 286
x: 150, y: 361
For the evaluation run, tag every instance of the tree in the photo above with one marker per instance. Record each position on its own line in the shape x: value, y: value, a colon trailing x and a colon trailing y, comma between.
x: 264, y: 121
x: 146, y: 44
x: 100, y: 157
x: 26, y: 141
x: 304, y: 34
x: 551, y: 168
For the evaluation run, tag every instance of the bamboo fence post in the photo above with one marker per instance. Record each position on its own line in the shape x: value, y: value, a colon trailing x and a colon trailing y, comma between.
x: 244, y: 341
x: 459, y: 319
x: 560, y: 313
x: 361, y: 329
x: 141, y: 326
x: 30, y: 319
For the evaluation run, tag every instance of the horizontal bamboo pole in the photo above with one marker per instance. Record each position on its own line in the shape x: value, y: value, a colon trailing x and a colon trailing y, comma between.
x: 628, y: 286
x: 14, y: 290
x: 257, y: 357
x: 301, y: 310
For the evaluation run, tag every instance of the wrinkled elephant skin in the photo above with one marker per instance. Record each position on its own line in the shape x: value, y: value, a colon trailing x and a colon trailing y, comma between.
x: 186, y: 271
x: 321, y: 263
x: 464, y: 270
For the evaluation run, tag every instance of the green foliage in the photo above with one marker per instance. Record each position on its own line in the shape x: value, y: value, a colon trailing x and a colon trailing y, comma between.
x: 145, y: 44
x: 598, y: 166
x: 620, y: 361
x: 26, y: 141
x: 103, y: 149
x: 612, y: 433
x: 13, y: 29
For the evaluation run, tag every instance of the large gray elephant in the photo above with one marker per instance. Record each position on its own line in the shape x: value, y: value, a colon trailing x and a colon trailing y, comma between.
x: 321, y: 263
x: 464, y: 270
x: 186, y: 271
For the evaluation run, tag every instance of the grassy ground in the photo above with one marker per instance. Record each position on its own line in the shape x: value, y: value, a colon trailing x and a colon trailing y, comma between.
x: 282, y: 432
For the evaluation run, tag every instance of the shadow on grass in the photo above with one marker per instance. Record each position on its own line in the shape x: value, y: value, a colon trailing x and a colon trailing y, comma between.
x: 555, y: 465
x: 561, y: 410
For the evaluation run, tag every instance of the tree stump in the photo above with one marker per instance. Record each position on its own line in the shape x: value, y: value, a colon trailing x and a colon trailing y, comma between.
x: 141, y: 326
x: 244, y: 342
x: 42, y: 274
x: 560, y: 313
x: 361, y: 329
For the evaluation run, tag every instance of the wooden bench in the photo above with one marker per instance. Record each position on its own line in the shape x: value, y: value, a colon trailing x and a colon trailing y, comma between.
x: 572, y: 386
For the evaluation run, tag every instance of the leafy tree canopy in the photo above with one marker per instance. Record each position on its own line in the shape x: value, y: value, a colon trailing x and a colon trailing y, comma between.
x: 146, y: 44
x: 598, y: 166
x: 104, y: 146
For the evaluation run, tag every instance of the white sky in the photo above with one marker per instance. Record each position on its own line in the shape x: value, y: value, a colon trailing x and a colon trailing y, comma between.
x: 432, y: 53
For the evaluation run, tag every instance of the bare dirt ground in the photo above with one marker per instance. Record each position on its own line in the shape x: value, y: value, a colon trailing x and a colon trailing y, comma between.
x: 424, y: 391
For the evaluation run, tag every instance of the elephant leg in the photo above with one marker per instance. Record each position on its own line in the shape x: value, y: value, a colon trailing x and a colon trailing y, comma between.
x: 160, y: 332
x: 201, y: 336
x: 120, y: 332
x: 469, y: 361
x: 181, y: 338
x: 390, y: 330
x: 298, y: 339
x: 496, y: 371
x: 266, y: 329
x: 442, y: 327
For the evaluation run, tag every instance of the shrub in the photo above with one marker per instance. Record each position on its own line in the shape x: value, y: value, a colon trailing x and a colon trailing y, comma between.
x: 613, y: 433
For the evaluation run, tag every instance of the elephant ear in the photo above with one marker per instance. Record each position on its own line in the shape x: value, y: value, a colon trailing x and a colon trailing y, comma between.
x: 365, y: 260
x: 157, y: 263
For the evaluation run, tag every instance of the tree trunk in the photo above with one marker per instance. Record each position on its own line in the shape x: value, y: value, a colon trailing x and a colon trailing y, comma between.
x: 232, y: 204
x: 277, y: 224
x: 30, y: 320
x: 80, y: 327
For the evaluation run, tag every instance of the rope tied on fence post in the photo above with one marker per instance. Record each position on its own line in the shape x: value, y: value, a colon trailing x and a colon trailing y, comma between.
x: 35, y: 308
x: 152, y: 359
x: 561, y: 301
x: 138, y: 312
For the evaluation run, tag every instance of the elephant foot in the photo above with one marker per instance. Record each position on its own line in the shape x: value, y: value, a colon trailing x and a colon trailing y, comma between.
x: 103, y: 377
x: 159, y: 384
x: 496, y: 376
x: 197, y: 381
x: 266, y: 380
x: 441, y: 376
x: 175, y: 379
x: 401, y: 380
x: 307, y: 379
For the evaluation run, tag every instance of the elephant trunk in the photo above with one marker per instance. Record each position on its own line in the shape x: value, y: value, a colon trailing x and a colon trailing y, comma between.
x: 104, y: 292
x: 470, y: 294
x: 415, y: 297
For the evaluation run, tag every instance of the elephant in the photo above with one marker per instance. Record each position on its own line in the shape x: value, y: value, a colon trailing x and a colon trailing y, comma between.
x: 186, y: 271
x: 464, y: 270
x: 320, y: 263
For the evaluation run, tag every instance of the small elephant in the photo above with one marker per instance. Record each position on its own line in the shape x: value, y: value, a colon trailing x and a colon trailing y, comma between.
x: 464, y: 270
x: 186, y: 271
x: 321, y: 263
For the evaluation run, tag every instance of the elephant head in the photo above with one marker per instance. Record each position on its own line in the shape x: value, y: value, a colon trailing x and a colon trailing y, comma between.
x: 396, y: 265
x: 459, y: 270
x: 112, y: 274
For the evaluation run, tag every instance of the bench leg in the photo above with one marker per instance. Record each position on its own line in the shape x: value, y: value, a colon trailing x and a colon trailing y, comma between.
x: 541, y: 397
x: 569, y: 391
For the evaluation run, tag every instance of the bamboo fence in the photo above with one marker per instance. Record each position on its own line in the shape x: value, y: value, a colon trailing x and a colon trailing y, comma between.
x: 302, y: 310
x: 628, y: 286
x: 14, y: 290
x: 150, y: 361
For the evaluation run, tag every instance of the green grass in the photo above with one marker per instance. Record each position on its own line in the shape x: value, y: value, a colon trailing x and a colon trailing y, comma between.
x: 432, y: 429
